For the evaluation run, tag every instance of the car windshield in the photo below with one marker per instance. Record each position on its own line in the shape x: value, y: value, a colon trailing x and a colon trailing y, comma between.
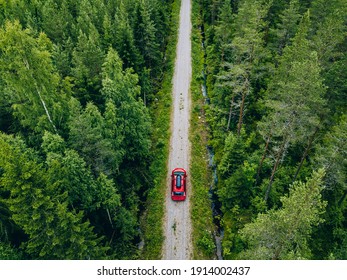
x: 179, y: 173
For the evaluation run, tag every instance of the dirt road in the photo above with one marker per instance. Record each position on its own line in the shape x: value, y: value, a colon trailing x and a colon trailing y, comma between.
x: 177, y: 223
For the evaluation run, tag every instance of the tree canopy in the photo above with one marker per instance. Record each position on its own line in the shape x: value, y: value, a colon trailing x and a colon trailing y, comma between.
x: 76, y: 81
x: 277, y: 89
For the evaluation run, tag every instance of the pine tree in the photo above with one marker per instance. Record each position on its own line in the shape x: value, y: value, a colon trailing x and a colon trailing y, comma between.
x: 284, y: 233
x: 224, y: 30
x: 68, y: 172
x: 56, y: 20
x: 247, y: 51
x: 294, y: 99
x: 331, y: 155
x: 329, y: 41
x: 9, y: 253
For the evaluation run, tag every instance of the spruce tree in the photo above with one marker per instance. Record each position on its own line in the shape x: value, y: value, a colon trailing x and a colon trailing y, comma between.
x: 294, y: 99
x: 41, y: 211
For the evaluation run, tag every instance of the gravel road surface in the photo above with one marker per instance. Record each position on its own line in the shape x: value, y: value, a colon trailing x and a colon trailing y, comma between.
x: 177, y: 225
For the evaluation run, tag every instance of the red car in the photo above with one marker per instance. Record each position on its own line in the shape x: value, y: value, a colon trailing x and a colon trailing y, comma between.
x: 178, y: 184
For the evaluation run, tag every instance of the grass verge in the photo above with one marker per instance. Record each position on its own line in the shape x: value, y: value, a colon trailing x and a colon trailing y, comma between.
x: 202, y: 220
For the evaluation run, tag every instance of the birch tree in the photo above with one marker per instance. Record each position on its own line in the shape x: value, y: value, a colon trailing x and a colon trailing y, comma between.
x: 31, y: 84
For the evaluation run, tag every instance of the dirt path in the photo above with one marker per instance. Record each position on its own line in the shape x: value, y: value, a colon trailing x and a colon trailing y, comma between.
x: 177, y: 226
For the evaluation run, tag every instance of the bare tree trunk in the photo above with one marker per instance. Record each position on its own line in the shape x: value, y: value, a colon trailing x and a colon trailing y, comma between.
x: 46, y: 110
x: 278, y: 159
x: 342, y: 198
x: 230, y: 111
x: 242, y: 107
x: 109, y: 217
x: 239, y: 125
x: 308, y: 147
x: 263, y: 158
x: 111, y: 240
x: 26, y: 63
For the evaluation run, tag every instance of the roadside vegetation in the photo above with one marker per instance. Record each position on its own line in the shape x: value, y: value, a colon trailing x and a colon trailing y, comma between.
x: 277, y: 124
x: 201, y: 179
x: 152, y: 221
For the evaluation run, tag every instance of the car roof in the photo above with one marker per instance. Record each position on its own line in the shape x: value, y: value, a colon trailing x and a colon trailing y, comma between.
x: 179, y: 187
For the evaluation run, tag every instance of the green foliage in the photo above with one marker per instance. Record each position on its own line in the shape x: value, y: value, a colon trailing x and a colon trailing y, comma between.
x: 206, y: 243
x: 235, y: 150
x: 200, y: 176
x: 276, y: 82
x: 120, y: 87
x: 68, y: 173
x: 56, y: 19
x: 237, y: 174
x: 331, y: 154
x: 87, y: 59
x: 74, y: 77
x: 124, y: 41
x: 295, y: 94
x: 237, y: 189
x: 287, y: 27
x: 9, y: 253
x: 145, y: 35
x: 41, y: 210
x: 239, y: 71
x: 294, y: 100
x: 152, y: 221
x: 87, y: 136
x: 284, y: 233
x: 80, y: 173
x: 225, y: 30
x: 30, y: 81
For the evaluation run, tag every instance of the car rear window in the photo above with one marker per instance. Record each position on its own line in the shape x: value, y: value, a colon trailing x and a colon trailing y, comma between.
x: 178, y: 193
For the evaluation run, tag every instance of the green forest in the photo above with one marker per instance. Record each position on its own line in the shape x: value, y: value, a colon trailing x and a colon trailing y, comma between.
x: 76, y: 82
x: 276, y: 78
x: 80, y: 88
